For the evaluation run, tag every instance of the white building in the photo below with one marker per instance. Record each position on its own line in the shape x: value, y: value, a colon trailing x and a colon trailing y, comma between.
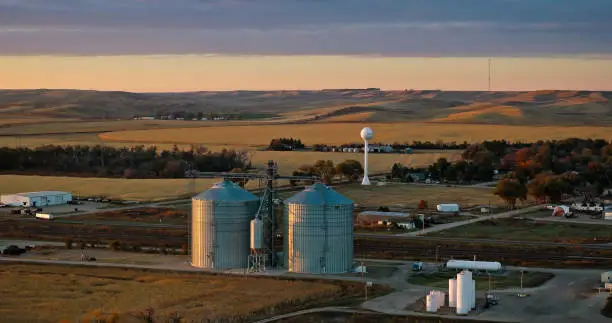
x: 43, y: 198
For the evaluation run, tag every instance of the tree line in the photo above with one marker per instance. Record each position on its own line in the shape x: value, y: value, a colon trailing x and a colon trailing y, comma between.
x: 285, y: 144
x: 549, y: 170
x: 396, y: 146
x: 326, y: 170
x: 546, y: 170
x: 132, y: 162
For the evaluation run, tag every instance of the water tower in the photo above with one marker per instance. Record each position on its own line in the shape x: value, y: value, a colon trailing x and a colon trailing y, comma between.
x: 366, y: 134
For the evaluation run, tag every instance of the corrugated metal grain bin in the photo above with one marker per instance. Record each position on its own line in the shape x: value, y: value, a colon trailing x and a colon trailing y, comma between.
x: 318, y: 231
x: 220, y: 226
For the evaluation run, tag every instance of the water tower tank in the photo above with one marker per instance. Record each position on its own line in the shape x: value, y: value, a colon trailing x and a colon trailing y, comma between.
x: 318, y: 231
x: 220, y: 226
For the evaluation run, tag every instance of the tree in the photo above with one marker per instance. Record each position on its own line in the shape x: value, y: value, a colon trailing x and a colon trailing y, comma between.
x: 350, y: 169
x: 510, y: 189
x: 68, y: 243
x: 325, y: 170
x: 115, y: 245
x: 240, y: 181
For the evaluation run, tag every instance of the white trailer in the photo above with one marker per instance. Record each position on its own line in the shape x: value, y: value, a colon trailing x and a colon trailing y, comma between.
x: 490, y: 266
x: 44, y: 216
x: 561, y: 210
x: 448, y: 208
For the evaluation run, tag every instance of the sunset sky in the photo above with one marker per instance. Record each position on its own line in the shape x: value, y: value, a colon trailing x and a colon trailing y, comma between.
x: 190, y: 45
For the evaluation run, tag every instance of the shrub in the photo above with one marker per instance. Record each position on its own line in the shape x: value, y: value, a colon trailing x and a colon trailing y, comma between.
x: 68, y: 243
x: 115, y: 245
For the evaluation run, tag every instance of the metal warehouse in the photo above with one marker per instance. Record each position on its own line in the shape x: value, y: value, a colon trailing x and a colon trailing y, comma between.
x: 42, y: 198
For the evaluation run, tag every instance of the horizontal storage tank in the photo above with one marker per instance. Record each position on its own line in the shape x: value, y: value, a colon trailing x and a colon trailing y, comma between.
x: 318, y: 231
x: 220, y: 224
x: 474, y: 265
x: 447, y: 207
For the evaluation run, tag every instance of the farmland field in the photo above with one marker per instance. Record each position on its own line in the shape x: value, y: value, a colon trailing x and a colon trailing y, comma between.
x: 54, y: 293
x: 408, y: 195
x: 116, y: 188
x: 341, y: 133
x: 515, y: 229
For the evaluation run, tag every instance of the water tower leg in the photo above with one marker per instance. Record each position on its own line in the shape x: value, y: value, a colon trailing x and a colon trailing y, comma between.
x: 366, y: 180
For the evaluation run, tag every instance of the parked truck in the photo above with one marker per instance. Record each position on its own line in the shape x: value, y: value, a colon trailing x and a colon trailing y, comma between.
x: 45, y: 216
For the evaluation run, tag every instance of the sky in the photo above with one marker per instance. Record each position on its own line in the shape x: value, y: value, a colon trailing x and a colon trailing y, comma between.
x: 187, y: 45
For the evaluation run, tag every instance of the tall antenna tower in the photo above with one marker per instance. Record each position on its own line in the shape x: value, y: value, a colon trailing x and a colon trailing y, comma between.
x: 489, y: 89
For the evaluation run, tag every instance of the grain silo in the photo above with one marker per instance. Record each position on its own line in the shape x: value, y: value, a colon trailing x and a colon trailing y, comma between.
x: 220, y: 226
x: 318, y: 231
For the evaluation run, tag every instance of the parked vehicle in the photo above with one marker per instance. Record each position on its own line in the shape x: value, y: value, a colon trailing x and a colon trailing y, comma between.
x: 13, y: 250
x: 45, y: 216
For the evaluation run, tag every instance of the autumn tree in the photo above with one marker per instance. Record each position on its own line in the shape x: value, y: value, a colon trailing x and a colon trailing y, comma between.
x: 510, y: 190
x: 325, y: 170
x: 350, y: 169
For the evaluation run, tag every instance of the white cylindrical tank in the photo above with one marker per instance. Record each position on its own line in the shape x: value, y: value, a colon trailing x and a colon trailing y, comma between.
x: 256, y: 234
x: 429, y: 304
x: 473, y: 296
x: 463, y: 281
x: 474, y: 265
x: 452, y: 292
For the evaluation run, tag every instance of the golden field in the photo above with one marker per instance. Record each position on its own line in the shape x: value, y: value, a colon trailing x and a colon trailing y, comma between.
x: 378, y: 163
x: 340, y: 133
x: 67, y: 294
x: 409, y: 195
x: 118, y: 188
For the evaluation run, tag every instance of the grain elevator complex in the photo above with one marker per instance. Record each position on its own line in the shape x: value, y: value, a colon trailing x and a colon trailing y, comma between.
x: 232, y: 228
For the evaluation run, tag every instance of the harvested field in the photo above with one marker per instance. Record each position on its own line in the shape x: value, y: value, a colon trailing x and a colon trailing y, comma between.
x: 408, y: 195
x: 288, y: 161
x: 340, y: 133
x: 115, y: 188
x: 508, y: 280
x: 55, y: 293
x: 530, y: 230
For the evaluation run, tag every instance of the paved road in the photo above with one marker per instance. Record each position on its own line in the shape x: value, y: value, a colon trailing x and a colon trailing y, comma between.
x: 314, y: 310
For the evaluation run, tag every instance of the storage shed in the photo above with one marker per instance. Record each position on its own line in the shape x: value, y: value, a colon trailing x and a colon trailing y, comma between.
x: 42, y: 198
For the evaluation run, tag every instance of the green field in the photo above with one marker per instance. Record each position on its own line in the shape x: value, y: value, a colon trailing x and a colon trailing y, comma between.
x: 528, y: 230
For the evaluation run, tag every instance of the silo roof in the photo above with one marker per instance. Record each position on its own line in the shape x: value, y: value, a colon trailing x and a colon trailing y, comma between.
x: 226, y: 191
x: 318, y: 194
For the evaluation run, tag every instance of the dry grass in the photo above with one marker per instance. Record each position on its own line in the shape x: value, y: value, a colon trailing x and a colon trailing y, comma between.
x: 126, y: 189
x: 349, y: 117
x: 54, y: 293
x: 472, y: 111
x: 18, y: 120
x: 67, y: 126
x: 339, y: 133
x: 408, y: 196
x: 378, y: 163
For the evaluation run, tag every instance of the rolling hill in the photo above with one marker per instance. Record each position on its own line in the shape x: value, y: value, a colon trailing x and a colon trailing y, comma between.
x: 340, y: 105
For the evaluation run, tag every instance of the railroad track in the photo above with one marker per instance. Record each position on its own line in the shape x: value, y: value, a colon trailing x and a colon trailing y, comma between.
x: 364, y: 245
x: 184, y: 228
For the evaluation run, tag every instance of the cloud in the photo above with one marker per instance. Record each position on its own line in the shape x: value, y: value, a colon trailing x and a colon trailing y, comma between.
x: 357, y: 27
